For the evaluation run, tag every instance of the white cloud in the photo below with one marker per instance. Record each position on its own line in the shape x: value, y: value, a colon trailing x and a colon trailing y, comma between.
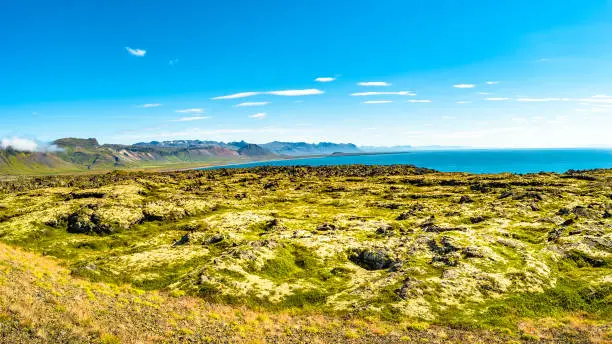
x: 19, y: 144
x: 258, y: 115
x: 288, y: 93
x: 542, y: 99
x: 150, y: 105
x: 601, y: 96
x: 377, y: 102
x: 252, y: 104
x: 136, y: 52
x: 419, y: 101
x: 374, y: 83
x: 595, y: 100
x: 293, y: 93
x: 190, y: 111
x: 189, y: 119
x: 464, y: 86
x: 498, y: 99
x: 463, y: 102
x: 483, y: 93
x: 492, y: 82
x: 238, y: 95
x: 26, y: 145
x: 173, y: 62
x: 325, y: 79
x: 448, y: 117
x: 400, y: 93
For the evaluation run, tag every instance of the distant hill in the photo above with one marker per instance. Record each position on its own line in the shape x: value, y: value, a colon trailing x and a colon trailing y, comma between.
x: 77, y: 154
x: 254, y: 150
x: 303, y: 148
x: 74, y: 154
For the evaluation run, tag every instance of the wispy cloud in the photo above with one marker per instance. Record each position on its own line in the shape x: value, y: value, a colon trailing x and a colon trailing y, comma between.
x: 400, y: 93
x: 293, y: 93
x: 150, y: 105
x: 598, y: 99
x: 419, y: 101
x: 173, y: 62
x: 287, y: 93
x: 374, y: 83
x: 483, y: 93
x: 464, y: 86
x: 258, y: 115
x: 325, y: 79
x: 238, y: 95
x: 252, y: 104
x: 26, y: 145
x: 463, y: 102
x: 542, y: 99
x: 492, y: 82
x: 189, y: 119
x: 136, y: 52
x: 498, y: 99
x: 595, y: 100
x: 378, y: 101
x: 197, y: 110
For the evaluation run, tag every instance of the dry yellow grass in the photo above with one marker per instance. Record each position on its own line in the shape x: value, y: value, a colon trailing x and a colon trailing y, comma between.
x: 41, y: 302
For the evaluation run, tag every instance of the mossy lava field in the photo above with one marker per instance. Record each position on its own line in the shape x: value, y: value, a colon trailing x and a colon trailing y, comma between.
x: 520, y: 257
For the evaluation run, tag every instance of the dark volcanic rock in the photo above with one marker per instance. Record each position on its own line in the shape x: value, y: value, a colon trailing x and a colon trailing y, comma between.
x: 563, y: 211
x: 447, y: 259
x: 182, y: 241
x: 214, y: 239
x: 473, y: 252
x: 385, y: 230
x: 404, y: 216
x: 86, y: 221
x: 371, y: 259
x: 408, y: 288
x: 431, y: 228
x: 326, y: 227
x: 270, y: 185
x: 446, y: 246
x: 477, y: 219
x: 580, y: 211
x: 85, y: 194
x: 555, y: 234
x: 567, y: 222
x: 465, y: 199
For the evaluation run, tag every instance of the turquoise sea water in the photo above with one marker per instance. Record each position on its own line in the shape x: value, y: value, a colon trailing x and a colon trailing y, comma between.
x: 473, y: 161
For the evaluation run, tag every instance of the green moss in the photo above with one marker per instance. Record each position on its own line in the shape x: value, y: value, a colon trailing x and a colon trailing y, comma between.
x: 272, y: 256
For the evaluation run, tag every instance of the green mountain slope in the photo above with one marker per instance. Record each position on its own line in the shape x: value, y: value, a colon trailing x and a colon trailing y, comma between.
x: 79, y: 155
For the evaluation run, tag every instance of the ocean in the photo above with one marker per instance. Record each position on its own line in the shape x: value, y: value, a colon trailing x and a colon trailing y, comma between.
x: 472, y: 161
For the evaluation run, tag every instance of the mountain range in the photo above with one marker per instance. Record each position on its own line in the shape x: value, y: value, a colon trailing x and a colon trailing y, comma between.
x: 76, y: 154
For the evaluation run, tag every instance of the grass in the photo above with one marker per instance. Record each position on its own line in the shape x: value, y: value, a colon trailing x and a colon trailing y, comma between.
x: 255, y: 242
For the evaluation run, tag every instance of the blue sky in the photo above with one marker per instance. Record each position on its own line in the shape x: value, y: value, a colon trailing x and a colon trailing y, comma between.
x: 470, y: 73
